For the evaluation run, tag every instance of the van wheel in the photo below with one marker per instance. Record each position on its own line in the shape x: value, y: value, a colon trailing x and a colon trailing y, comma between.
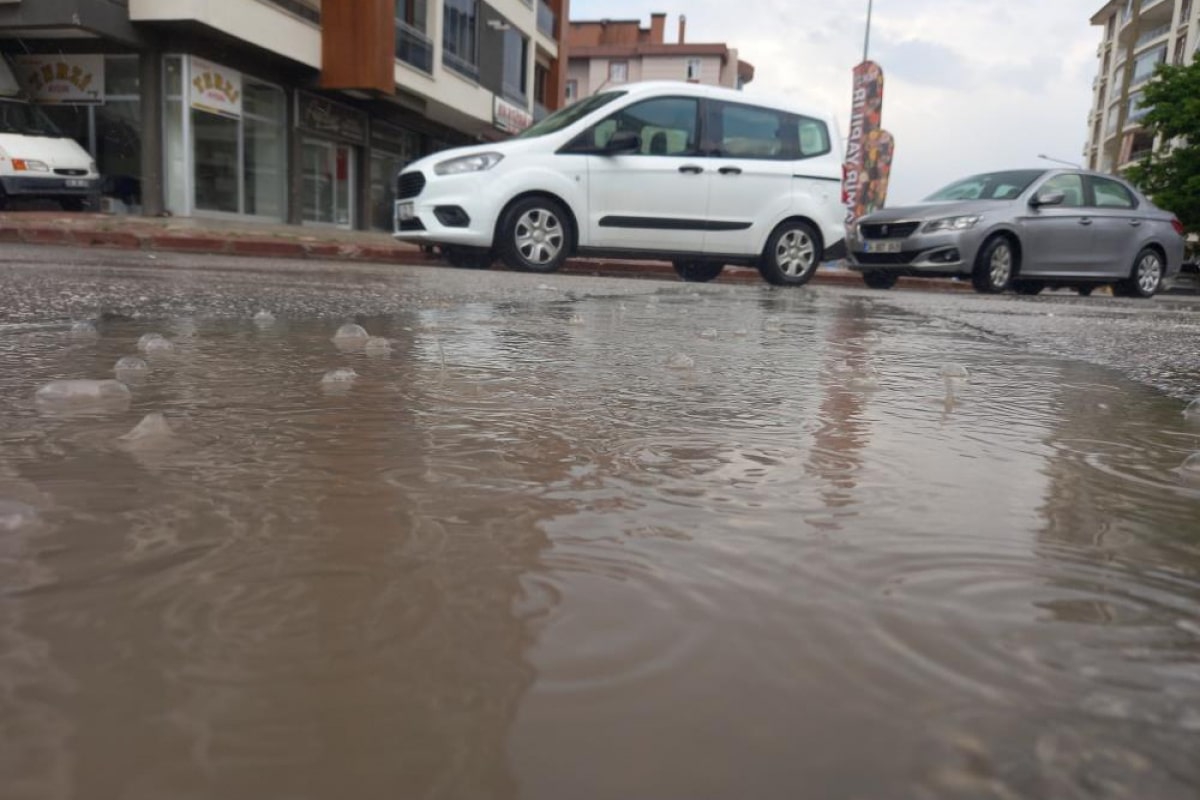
x: 1145, y: 279
x: 698, y: 271
x: 534, y: 235
x: 1028, y: 287
x: 791, y: 255
x: 994, y: 266
x: 879, y: 279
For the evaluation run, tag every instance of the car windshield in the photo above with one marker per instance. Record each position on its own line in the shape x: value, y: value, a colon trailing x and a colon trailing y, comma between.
x: 989, y: 186
x: 25, y: 118
x: 566, y: 116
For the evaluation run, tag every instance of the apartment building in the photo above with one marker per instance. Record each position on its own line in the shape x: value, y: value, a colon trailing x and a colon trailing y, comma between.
x: 298, y: 111
x: 607, y: 52
x: 1138, y: 36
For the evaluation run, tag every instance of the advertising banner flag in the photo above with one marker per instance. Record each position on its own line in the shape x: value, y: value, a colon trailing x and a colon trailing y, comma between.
x: 866, y: 114
x: 877, y: 169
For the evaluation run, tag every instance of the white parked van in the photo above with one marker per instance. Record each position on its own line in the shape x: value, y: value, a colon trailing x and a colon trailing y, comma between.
x: 36, y: 160
x: 698, y: 175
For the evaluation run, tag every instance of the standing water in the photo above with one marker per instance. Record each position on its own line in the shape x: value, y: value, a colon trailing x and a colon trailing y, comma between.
x: 701, y: 547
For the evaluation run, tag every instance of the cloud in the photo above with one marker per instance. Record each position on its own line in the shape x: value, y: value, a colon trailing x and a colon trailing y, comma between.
x: 971, y: 85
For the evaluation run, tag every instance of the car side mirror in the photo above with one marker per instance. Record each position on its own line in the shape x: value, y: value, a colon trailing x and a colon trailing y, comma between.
x: 622, y: 142
x: 1048, y: 197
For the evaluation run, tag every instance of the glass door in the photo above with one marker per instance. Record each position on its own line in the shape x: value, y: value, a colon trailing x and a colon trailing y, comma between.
x: 328, y: 183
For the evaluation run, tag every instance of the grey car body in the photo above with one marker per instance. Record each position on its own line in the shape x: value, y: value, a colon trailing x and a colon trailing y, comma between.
x: 1063, y: 227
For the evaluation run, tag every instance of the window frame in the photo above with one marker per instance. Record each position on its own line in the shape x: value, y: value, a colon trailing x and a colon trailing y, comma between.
x: 577, y: 145
x: 710, y: 131
x: 624, y: 65
x: 1094, y: 181
x: 1084, y: 189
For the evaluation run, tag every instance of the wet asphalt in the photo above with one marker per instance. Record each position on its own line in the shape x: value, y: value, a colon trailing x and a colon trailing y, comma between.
x: 1155, y: 342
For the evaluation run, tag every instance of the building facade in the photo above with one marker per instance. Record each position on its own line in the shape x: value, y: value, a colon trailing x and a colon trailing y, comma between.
x: 604, y: 53
x: 298, y: 111
x: 1138, y: 36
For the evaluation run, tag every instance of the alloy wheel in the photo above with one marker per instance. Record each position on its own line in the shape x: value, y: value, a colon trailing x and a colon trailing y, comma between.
x: 1149, y: 273
x: 539, y: 236
x: 795, y: 253
x: 1000, y: 267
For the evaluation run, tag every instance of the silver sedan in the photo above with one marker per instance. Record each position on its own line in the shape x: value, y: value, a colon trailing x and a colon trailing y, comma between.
x: 1026, y: 230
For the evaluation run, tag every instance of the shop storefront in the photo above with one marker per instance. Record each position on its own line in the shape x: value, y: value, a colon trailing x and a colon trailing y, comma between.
x: 94, y: 99
x: 226, y: 142
x: 332, y: 140
x: 391, y: 149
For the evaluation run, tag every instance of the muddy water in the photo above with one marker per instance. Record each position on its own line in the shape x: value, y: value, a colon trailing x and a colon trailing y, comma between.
x: 586, y: 549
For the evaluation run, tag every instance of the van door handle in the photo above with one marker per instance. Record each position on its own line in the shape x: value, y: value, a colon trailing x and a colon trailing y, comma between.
x: 1085, y: 221
x: 730, y: 170
x: 691, y: 169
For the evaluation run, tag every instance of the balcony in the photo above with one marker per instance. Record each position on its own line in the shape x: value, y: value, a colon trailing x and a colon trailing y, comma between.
x: 547, y: 22
x: 305, y: 9
x: 460, y: 65
x: 413, y: 47
x: 1150, y: 35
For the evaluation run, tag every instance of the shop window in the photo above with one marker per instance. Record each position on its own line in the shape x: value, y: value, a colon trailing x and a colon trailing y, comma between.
x: 233, y: 162
x: 618, y: 71
x: 693, y: 69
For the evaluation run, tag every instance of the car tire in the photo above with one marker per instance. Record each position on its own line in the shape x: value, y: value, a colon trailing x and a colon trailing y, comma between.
x: 1145, y: 278
x: 697, y: 271
x: 1085, y: 291
x: 534, y: 235
x: 880, y: 279
x: 995, y: 266
x: 465, y: 258
x: 792, y: 254
x: 1029, y: 288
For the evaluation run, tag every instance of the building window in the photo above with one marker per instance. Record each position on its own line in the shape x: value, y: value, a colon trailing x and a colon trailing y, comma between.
x: 460, y: 39
x: 693, y: 69
x: 1112, y: 27
x: 618, y: 71
x: 413, y: 45
x: 1145, y: 64
x: 516, y: 65
x: 572, y: 92
x: 541, y: 78
x: 1180, y: 50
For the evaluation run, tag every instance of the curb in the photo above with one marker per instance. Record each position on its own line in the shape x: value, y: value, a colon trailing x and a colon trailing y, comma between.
x: 399, y: 254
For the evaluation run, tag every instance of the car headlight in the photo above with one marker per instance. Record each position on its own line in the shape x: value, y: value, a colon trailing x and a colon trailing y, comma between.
x: 476, y: 163
x: 951, y: 224
x: 30, y: 165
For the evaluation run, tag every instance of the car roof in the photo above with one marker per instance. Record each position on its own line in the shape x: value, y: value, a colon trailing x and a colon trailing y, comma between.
x: 681, y: 88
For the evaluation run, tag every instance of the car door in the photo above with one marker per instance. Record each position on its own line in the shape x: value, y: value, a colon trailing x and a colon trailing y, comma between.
x: 754, y: 183
x: 653, y: 199
x: 1119, y: 228
x: 1056, y: 240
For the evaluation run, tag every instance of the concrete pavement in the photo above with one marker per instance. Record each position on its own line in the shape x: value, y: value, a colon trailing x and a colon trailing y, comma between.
x: 221, y: 237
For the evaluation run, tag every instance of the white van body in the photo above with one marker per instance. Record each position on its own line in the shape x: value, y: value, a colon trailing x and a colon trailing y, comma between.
x: 36, y: 160
x: 698, y: 175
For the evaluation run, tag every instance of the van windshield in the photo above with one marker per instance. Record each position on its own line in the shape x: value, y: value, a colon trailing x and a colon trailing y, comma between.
x: 566, y: 116
x: 26, y: 119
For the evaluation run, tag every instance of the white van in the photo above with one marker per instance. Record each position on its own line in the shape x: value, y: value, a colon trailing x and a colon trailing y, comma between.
x: 36, y: 160
x: 697, y: 175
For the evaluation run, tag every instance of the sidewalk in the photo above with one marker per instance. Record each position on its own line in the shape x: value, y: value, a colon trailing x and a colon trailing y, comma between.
x: 220, y: 237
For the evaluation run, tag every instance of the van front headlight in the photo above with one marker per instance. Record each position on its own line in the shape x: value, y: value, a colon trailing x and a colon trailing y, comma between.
x: 30, y: 165
x: 463, y: 164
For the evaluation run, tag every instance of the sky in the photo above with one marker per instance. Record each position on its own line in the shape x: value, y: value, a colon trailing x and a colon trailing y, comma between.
x: 969, y: 85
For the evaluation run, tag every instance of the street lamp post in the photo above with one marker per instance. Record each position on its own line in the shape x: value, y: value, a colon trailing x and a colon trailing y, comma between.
x: 867, y: 35
x: 1060, y: 161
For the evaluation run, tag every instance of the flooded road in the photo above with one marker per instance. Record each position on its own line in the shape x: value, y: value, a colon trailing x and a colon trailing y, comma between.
x: 580, y: 538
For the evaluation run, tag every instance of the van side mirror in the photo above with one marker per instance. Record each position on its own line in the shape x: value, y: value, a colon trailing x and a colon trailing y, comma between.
x: 622, y: 142
x: 1048, y: 197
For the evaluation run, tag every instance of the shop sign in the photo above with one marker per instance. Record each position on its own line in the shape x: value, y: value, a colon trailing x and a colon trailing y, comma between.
x: 326, y: 118
x: 215, y: 89
x: 62, y: 79
x: 510, y: 118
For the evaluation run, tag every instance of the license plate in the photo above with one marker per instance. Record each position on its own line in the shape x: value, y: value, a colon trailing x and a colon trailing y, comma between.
x: 76, y: 183
x: 881, y: 247
x: 405, y: 212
